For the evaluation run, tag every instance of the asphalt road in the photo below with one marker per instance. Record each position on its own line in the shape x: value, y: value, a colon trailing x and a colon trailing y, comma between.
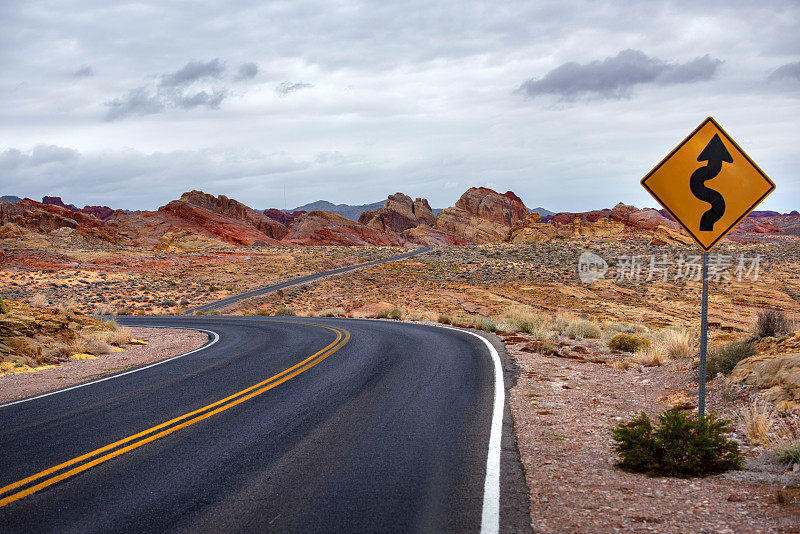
x: 295, y: 425
x: 222, y: 303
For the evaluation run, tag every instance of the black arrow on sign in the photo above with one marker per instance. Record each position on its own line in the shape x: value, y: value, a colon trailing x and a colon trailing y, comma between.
x: 714, y: 153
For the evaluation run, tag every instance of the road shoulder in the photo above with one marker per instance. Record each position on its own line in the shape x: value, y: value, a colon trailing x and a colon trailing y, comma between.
x: 162, y: 343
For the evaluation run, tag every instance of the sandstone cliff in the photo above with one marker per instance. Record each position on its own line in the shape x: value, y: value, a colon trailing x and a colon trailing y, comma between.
x: 482, y: 215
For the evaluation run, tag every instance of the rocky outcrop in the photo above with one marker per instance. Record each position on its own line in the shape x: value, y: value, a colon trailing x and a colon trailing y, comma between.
x: 428, y: 237
x: 215, y: 224
x: 482, y: 215
x: 399, y: 213
x: 56, y: 201
x: 324, y: 228
x: 568, y: 218
x: 667, y: 236
x: 101, y: 212
x: 234, y: 209
x: 531, y: 229
x: 44, y: 218
x: 775, y: 370
x: 283, y: 217
x: 642, y: 219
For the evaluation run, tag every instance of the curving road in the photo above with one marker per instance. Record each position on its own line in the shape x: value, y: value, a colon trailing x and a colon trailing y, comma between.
x: 222, y: 303
x: 290, y: 425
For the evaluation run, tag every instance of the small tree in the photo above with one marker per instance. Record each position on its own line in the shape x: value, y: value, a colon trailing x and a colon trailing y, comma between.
x: 679, y: 447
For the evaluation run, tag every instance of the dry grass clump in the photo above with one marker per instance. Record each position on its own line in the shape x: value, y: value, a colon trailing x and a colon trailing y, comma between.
x: 39, y: 300
x: 519, y: 319
x: 98, y: 347
x: 559, y: 324
x: 649, y: 357
x: 104, y: 309
x: 772, y: 323
x: 67, y: 305
x: 677, y: 344
x: 757, y: 422
x: 583, y: 329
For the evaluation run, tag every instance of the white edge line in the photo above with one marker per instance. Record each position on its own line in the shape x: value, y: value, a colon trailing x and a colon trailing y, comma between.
x: 216, y: 338
x: 490, y: 516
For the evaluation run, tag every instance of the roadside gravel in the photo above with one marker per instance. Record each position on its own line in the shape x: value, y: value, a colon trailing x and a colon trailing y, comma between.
x: 564, y: 409
x: 161, y: 343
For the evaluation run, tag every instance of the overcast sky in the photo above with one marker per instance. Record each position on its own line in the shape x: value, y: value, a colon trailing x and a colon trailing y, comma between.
x: 568, y: 104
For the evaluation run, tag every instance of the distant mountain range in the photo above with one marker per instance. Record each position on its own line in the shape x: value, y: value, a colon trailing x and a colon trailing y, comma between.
x: 10, y: 198
x: 543, y: 212
x: 348, y: 211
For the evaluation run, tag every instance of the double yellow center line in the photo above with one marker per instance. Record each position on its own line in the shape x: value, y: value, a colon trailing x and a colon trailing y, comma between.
x: 112, y: 450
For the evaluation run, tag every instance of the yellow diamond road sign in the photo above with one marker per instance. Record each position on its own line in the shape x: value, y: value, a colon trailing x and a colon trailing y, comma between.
x: 708, y: 184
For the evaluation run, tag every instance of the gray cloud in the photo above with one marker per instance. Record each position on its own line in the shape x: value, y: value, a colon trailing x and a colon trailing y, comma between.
x: 192, y: 72
x: 246, y: 71
x: 285, y: 88
x: 138, y: 101
x: 790, y: 70
x: 615, y: 77
x: 172, y: 92
x: 84, y: 71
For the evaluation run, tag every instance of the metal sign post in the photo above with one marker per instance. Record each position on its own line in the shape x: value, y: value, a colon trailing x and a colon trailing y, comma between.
x: 707, y: 212
x: 701, y: 391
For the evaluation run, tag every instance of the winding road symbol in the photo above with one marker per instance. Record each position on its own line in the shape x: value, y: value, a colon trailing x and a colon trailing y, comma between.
x: 714, y: 153
x: 706, y: 208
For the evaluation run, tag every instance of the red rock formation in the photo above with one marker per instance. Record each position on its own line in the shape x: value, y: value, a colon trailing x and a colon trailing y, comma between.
x: 282, y: 216
x: 234, y: 209
x: 56, y: 201
x: 482, y: 215
x: 45, y: 218
x: 399, y: 213
x: 101, y: 212
x: 324, y: 228
x: 644, y: 219
x: 214, y: 224
x: 766, y: 227
x: 568, y: 218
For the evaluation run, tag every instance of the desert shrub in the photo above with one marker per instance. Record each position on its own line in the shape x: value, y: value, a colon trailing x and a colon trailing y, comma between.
x: 581, y: 328
x: 263, y: 311
x: 97, y: 347
x: 127, y: 311
x: 677, y: 344
x: 215, y: 312
x: 722, y: 359
x: 487, y: 325
x: 104, y: 309
x: 39, y: 301
x: 4, y: 307
x: 79, y: 344
x: 444, y: 319
x: 628, y: 343
x: 626, y: 328
x: 680, y: 446
x: 395, y: 314
x: 789, y: 452
x: 772, y: 323
x: 559, y: 324
x: 328, y: 314
x: 284, y: 312
x: 198, y: 312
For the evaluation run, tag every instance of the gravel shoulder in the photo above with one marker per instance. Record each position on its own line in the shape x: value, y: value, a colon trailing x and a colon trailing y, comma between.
x: 564, y: 409
x: 161, y: 343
